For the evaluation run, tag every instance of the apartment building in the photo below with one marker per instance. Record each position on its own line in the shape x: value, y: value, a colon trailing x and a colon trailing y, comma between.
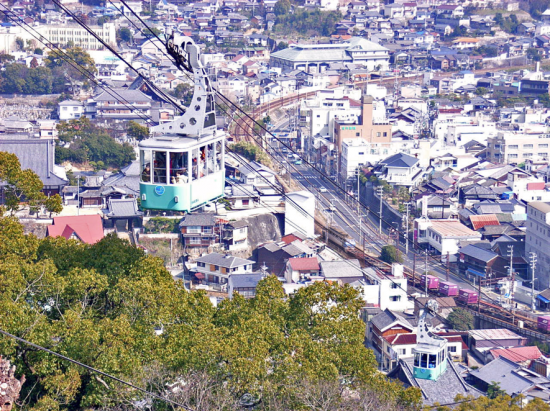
x: 216, y: 268
x: 537, y: 238
x: 64, y: 34
x: 516, y: 147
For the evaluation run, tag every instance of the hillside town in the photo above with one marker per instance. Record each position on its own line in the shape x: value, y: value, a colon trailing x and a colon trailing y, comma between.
x: 395, y: 152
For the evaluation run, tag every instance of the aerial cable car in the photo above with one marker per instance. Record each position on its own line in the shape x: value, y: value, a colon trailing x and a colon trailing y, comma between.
x: 430, y: 354
x: 182, y: 165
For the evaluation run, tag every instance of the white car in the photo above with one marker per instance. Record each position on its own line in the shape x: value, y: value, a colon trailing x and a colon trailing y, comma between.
x: 322, y: 189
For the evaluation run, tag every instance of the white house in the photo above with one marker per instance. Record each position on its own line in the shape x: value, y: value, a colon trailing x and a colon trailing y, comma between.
x: 400, y: 169
x: 386, y: 292
x: 299, y: 213
x: 444, y: 235
x: 216, y: 268
x: 70, y: 110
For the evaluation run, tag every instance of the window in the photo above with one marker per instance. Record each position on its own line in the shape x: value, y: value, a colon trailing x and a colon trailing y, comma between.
x: 388, y: 348
x: 199, y: 264
x: 159, y: 167
x: 378, y: 134
x: 385, y: 134
x: 216, y: 268
x: 357, y: 134
x: 543, y: 145
x: 194, y: 240
x: 527, y: 155
x: 432, y: 361
x: 145, y: 160
x: 513, y: 146
x: 452, y: 348
x: 194, y: 229
x: 65, y: 108
x: 403, y: 351
x: 528, y: 146
x: 179, y: 168
x: 394, y: 285
x: 512, y: 156
x: 245, y: 202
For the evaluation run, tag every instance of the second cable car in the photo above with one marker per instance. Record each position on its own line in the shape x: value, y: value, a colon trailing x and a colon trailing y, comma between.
x: 430, y: 353
x: 183, y: 168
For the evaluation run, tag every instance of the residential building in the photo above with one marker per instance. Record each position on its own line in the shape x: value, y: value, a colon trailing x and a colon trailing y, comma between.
x: 216, y: 268
x: 515, y: 147
x: 119, y: 104
x: 199, y: 230
x: 38, y: 155
x: 244, y: 284
x: 444, y: 236
x: 386, y: 291
x: 275, y: 255
x: 400, y: 170
x: 299, y: 269
x: 85, y: 228
x: 300, y: 213
x: 513, y: 379
x: 537, y: 239
x: 235, y: 235
x: 70, y: 110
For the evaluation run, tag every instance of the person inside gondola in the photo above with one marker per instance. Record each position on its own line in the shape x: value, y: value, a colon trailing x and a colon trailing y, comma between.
x: 146, y: 173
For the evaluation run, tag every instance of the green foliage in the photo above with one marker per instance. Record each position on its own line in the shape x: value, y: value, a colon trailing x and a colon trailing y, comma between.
x: 159, y: 225
x: 184, y: 92
x: 152, y: 32
x: 537, y: 7
x: 494, y: 390
x: 101, y: 304
x: 282, y: 7
x: 77, y: 74
x: 461, y: 320
x: 459, y: 31
x: 487, y: 51
x: 20, y: 43
x: 137, y: 131
x: 306, y: 22
x: 39, y: 51
x: 499, y: 403
x: 18, y: 78
x: 124, y: 35
x: 481, y: 91
x: 93, y: 144
x: 24, y: 186
x: 249, y: 151
x: 533, y: 54
x: 390, y: 254
x: 281, y: 46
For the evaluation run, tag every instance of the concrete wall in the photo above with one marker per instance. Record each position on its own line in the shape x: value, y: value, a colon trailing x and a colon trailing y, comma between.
x: 389, y: 215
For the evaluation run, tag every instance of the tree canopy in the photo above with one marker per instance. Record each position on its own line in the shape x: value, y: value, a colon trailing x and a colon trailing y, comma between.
x: 461, y: 320
x: 77, y: 72
x: 20, y: 79
x: 93, y: 144
x: 390, y: 254
x: 112, y: 307
x: 137, y: 131
x: 302, y: 21
x: 24, y: 187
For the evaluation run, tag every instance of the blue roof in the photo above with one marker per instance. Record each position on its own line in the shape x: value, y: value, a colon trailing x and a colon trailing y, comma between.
x: 543, y: 299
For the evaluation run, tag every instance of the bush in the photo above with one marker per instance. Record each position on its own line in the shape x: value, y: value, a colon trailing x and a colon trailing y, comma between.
x: 160, y: 225
x: 390, y: 254
x: 460, y: 320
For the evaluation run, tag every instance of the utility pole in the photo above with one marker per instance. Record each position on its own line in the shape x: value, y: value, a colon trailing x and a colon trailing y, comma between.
x: 407, y: 229
x: 78, y: 195
x: 358, y: 184
x: 379, y: 191
x: 414, y: 269
x: 533, y: 261
x: 426, y: 273
x: 448, y: 268
x: 513, y: 278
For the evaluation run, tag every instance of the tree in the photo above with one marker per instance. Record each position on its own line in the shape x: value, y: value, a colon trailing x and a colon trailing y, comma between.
x: 34, y: 63
x: 20, y: 43
x: 281, y: 46
x: 461, y: 320
x: 390, y: 254
x: 282, y: 7
x: 184, y: 92
x: 137, y: 131
x: 124, y: 34
x: 494, y: 390
x: 77, y: 74
x: 533, y: 54
x: 38, y: 51
x: 481, y: 91
x: 152, y: 32
x: 24, y: 186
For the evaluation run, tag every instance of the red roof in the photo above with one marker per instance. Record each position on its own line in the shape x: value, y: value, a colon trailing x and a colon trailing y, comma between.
x: 536, y: 186
x: 401, y: 339
x: 87, y: 228
x: 290, y: 238
x: 518, y: 354
x: 480, y: 221
x: 304, y: 264
x: 450, y: 110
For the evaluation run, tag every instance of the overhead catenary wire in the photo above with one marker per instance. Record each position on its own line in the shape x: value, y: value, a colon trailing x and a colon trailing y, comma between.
x: 234, y: 105
x: 94, y: 370
x: 63, y: 56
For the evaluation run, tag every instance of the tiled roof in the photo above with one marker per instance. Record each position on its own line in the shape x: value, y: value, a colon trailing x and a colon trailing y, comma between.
x: 401, y: 339
x: 478, y: 253
x: 494, y: 334
x: 451, y: 228
x: 341, y: 269
x: 387, y: 318
x: 480, y: 221
x: 518, y: 354
x: 88, y: 228
x: 302, y: 264
x: 222, y: 260
x: 200, y: 219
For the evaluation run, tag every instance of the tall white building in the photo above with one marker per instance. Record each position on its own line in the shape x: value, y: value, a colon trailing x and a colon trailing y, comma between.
x: 300, y: 212
x: 536, y: 240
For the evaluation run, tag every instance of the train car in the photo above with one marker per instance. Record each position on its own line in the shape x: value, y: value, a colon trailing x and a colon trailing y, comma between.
x: 543, y: 323
x: 448, y: 289
x: 433, y: 282
x: 467, y: 296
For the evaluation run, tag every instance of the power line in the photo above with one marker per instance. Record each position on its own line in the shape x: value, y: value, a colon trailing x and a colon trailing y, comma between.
x: 63, y: 56
x: 95, y: 370
x: 229, y: 101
